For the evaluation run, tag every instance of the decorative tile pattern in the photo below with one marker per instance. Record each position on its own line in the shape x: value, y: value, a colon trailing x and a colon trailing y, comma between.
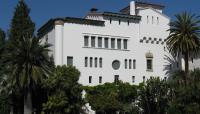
x: 152, y: 40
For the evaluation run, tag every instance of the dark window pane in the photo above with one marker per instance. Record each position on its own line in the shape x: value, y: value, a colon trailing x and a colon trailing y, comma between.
x: 91, y: 60
x: 113, y: 43
x: 125, y: 44
x: 86, y: 61
x: 90, y: 79
x: 100, y: 42
x: 118, y: 43
x: 100, y: 79
x: 86, y: 40
x: 69, y: 60
x: 106, y: 42
x: 92, y: 41
x: 116, y: 78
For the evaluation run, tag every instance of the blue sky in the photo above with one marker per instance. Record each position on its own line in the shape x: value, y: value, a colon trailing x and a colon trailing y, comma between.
x: 43, y: 10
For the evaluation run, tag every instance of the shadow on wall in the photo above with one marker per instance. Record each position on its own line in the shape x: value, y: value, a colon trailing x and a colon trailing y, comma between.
x: 171, y: 64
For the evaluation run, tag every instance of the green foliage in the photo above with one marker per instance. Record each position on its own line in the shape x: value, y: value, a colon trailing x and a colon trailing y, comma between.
x: 21, y: 24
x: 153, y: 96
x: 185, y: 99
x: 112, y: 97
x: 184, y: 34
x: 64, y: 91
x: 29, y: 63
x: 2, y: 38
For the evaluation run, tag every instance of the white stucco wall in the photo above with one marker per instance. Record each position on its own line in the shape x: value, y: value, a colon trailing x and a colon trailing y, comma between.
x: 70, y: 40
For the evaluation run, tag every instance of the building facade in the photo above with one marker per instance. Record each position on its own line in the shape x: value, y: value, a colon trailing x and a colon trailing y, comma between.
x: 106, y: 46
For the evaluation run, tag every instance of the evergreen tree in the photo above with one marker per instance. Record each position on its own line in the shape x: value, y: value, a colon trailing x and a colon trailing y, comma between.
x: 21, y: 27
x: 2, y: 37
x: 21, y: 24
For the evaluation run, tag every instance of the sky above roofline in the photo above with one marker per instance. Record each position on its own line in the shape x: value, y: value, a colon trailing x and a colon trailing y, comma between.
x: 43, y: 10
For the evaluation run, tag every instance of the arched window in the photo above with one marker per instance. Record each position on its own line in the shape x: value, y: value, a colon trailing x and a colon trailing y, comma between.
x: 130, y: 62
x: 95, y: 62
x: 125, y: 63
x: 100, y: 62
x: 91, y: 60
x: 86, y: 61
x: 134, y: 64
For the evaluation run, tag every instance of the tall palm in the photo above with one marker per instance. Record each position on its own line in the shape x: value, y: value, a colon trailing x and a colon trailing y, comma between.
x: 184, y: 37
x: 29, y: 63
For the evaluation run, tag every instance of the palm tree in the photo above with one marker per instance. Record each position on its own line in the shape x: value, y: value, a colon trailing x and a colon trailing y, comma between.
x: 29, y: 63
x: 184, y: 37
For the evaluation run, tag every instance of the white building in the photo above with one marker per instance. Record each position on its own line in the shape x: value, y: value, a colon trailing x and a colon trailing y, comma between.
x: 106, y: 46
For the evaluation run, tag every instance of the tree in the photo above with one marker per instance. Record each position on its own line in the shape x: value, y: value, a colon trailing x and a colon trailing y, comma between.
x: 21, y: 24
x: 184, y: 99
x: 64, y: 92
x: 2, y: 37
x: 112, y: 97
x: 153, y: 96
x: 2, y: 44
x: 184, y: 37
x: 29, y: 63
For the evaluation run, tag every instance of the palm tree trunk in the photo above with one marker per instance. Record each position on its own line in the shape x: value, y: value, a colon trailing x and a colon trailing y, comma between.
x: 186, y: 67
x: 28, y: 104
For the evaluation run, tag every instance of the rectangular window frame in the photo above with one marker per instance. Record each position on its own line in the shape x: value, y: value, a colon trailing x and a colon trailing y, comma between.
x: 100, y: 79
x: 68, y: 60
x: 125, y: 42
x: 86, y: 41
x: 149, y: 64
x: 106, y: 45
x: 90, y: 79
x: 119, y: 45
x: 112, y: 43
x: 93, y: 41
x: 116, y: 78
x: 100, y: 42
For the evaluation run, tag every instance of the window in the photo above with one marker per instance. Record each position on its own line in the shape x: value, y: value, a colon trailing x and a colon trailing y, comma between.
x: 100, y: 62
x: 133, y: 79
x: 128, y: 22
x: 130, y: 63
x: 100, y: 79
x: 147, y: 19
x: 69, y: 60
x: 110, y: 20
x: 86, y: 40
x: 90, y: 79
x: 134, y: 64
x: 86, y: 61
x: 152, y: 20
x: 149, y: 65
x: 100, y: 42
x: 125, y: 43
x: 125, y: 62
x: 106, y: 42
x: 91, y: 60
x: 157, y: 20
x: 118, y: 43
x: 116, y: 64
x: 116, y: 78
x: 119, y: 21
x: 112, y: 43
x: 95, y: 62
x: 143, y: 78
x: 92, y: 41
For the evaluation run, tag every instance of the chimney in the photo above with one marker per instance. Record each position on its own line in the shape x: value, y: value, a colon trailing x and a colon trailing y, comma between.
x: 132, y: 8
x: 93, y: 10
